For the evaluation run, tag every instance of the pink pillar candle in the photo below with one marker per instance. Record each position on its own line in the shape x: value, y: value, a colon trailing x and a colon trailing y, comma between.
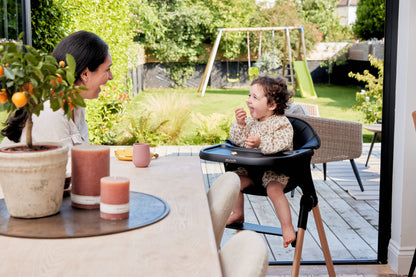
x: 89, y: 164
x: 115, y: 196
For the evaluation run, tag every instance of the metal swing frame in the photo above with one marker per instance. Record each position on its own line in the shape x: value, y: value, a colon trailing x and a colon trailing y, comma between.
x: 208, y: 69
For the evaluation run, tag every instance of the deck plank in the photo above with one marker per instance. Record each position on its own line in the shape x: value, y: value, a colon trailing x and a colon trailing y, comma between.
x: 351, y: 225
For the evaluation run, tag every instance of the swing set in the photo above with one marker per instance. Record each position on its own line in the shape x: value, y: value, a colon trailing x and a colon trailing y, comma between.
x: 289, y: 65
x: 232, y: 80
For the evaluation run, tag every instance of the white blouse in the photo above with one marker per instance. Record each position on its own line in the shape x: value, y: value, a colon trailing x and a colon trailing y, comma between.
x: 52, y: 126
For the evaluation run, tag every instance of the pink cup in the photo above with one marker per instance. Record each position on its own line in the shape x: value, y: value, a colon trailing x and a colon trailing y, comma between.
x: 141, y: 154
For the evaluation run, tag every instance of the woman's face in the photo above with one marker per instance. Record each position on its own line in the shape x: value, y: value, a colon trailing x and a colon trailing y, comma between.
x: 93, y: 80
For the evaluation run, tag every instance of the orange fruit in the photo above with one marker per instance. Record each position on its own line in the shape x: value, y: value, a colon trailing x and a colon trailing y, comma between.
x: 28, y: 87
x: 58, y: 79
x: 1, y: 70
x: 61, y: 64
x: 3, y: 96
x: 19, y: 99
x: 69, y: 103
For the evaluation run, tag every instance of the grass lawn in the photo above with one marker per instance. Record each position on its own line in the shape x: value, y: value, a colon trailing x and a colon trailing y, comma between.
x: 334, y: 102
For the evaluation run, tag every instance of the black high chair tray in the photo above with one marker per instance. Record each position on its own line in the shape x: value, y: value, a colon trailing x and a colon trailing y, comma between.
x: 230, y: 153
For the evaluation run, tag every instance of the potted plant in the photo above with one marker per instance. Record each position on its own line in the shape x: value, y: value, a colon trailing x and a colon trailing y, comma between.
x: 32, y: 176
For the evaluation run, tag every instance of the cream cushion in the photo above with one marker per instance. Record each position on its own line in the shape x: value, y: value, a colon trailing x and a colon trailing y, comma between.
x: 244, y: 255
x: 221, y: 199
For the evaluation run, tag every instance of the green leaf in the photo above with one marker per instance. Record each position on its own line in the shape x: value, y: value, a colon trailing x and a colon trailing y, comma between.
x: 79, y: 101
x: 70, y: 77
x: 38, y: 109
x: 70, y: 62
x: 8, y: 73
x: 56, y: 103
x: 51, y: 60
x: 31, y: 58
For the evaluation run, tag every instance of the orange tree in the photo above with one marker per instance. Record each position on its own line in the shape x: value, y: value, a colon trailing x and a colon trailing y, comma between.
x: 29, y: 78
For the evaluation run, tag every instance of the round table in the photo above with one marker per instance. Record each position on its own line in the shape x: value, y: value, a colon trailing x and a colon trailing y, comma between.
x: 376, y: 129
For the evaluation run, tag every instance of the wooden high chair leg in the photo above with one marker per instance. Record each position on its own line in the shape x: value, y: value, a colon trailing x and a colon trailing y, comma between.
x: 298, y: 252
x: 324, y: 242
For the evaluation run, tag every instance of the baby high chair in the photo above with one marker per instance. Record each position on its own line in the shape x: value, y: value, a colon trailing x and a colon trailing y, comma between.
x: 296, y: 165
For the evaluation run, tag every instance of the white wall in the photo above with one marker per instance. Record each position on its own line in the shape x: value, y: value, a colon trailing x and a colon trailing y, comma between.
x: 403, y: 239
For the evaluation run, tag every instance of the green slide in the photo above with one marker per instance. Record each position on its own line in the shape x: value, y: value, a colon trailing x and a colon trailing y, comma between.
x: 304, y: 79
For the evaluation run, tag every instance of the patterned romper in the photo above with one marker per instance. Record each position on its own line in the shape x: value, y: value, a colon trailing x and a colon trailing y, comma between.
x: 275, y: 133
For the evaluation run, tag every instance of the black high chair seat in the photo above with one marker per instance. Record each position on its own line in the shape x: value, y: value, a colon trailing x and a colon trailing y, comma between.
x: 295, y: 164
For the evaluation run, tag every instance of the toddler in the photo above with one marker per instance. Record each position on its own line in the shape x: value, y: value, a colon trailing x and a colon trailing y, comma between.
x: 270, y: 131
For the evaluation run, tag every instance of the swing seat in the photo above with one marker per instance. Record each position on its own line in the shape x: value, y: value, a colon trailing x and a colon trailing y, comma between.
x: 231, y: 80
x: 253, y: 72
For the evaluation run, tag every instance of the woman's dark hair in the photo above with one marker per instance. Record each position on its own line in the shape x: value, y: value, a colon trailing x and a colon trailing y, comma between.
x: 88, y: 50
x: 276, y: 91
x: 14, y: 125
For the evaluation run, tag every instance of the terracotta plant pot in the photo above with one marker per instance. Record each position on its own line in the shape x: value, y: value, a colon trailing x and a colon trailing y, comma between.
x: 33, y: 182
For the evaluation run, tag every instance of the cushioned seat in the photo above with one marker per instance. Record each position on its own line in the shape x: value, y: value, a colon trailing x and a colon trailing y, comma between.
x: 221, y: 199
x: 244, y: 255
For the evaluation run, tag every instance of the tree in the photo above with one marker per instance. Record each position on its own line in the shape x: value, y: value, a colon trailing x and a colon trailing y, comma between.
x: 322, y: 14
x: 370, y: 19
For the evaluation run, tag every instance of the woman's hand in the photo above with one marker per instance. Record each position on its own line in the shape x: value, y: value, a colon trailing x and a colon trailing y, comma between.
x: 252, y: 142
x: 240, y: 116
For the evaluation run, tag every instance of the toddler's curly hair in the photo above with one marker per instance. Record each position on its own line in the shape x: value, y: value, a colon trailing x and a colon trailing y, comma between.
x: 276, y: 91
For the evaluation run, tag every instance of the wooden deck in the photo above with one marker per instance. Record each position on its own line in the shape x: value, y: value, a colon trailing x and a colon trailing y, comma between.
x: 350, y: 216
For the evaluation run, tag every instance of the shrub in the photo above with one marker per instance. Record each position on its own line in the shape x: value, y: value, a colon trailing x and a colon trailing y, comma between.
x: 104, y: 114
x: 156, y: 119
x: 269, y: 62
x: 138, y: 127
x: 370, y: 101
x: 111, y: 20
x: 49, y: 24
x: 212, y: 129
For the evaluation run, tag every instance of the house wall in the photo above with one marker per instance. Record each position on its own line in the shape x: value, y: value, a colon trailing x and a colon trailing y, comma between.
x: 403, y: 239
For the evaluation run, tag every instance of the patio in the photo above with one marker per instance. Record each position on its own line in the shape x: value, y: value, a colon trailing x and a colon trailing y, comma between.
x: 350, y: 216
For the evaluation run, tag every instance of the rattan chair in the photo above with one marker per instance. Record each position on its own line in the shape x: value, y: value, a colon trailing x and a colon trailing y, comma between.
x: 312, y: 109
x: 340, y: 140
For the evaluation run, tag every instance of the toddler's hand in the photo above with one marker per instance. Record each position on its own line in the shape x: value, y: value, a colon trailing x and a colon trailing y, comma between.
x: 252, y: 142
x: 240, y: 116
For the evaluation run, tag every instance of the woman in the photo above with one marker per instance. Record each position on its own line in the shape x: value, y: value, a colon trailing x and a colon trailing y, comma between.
x: 93, y: 63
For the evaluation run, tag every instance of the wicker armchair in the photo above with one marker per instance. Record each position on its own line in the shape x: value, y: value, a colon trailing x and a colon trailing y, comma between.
x: 312, y: 109
x: 340, y: 140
